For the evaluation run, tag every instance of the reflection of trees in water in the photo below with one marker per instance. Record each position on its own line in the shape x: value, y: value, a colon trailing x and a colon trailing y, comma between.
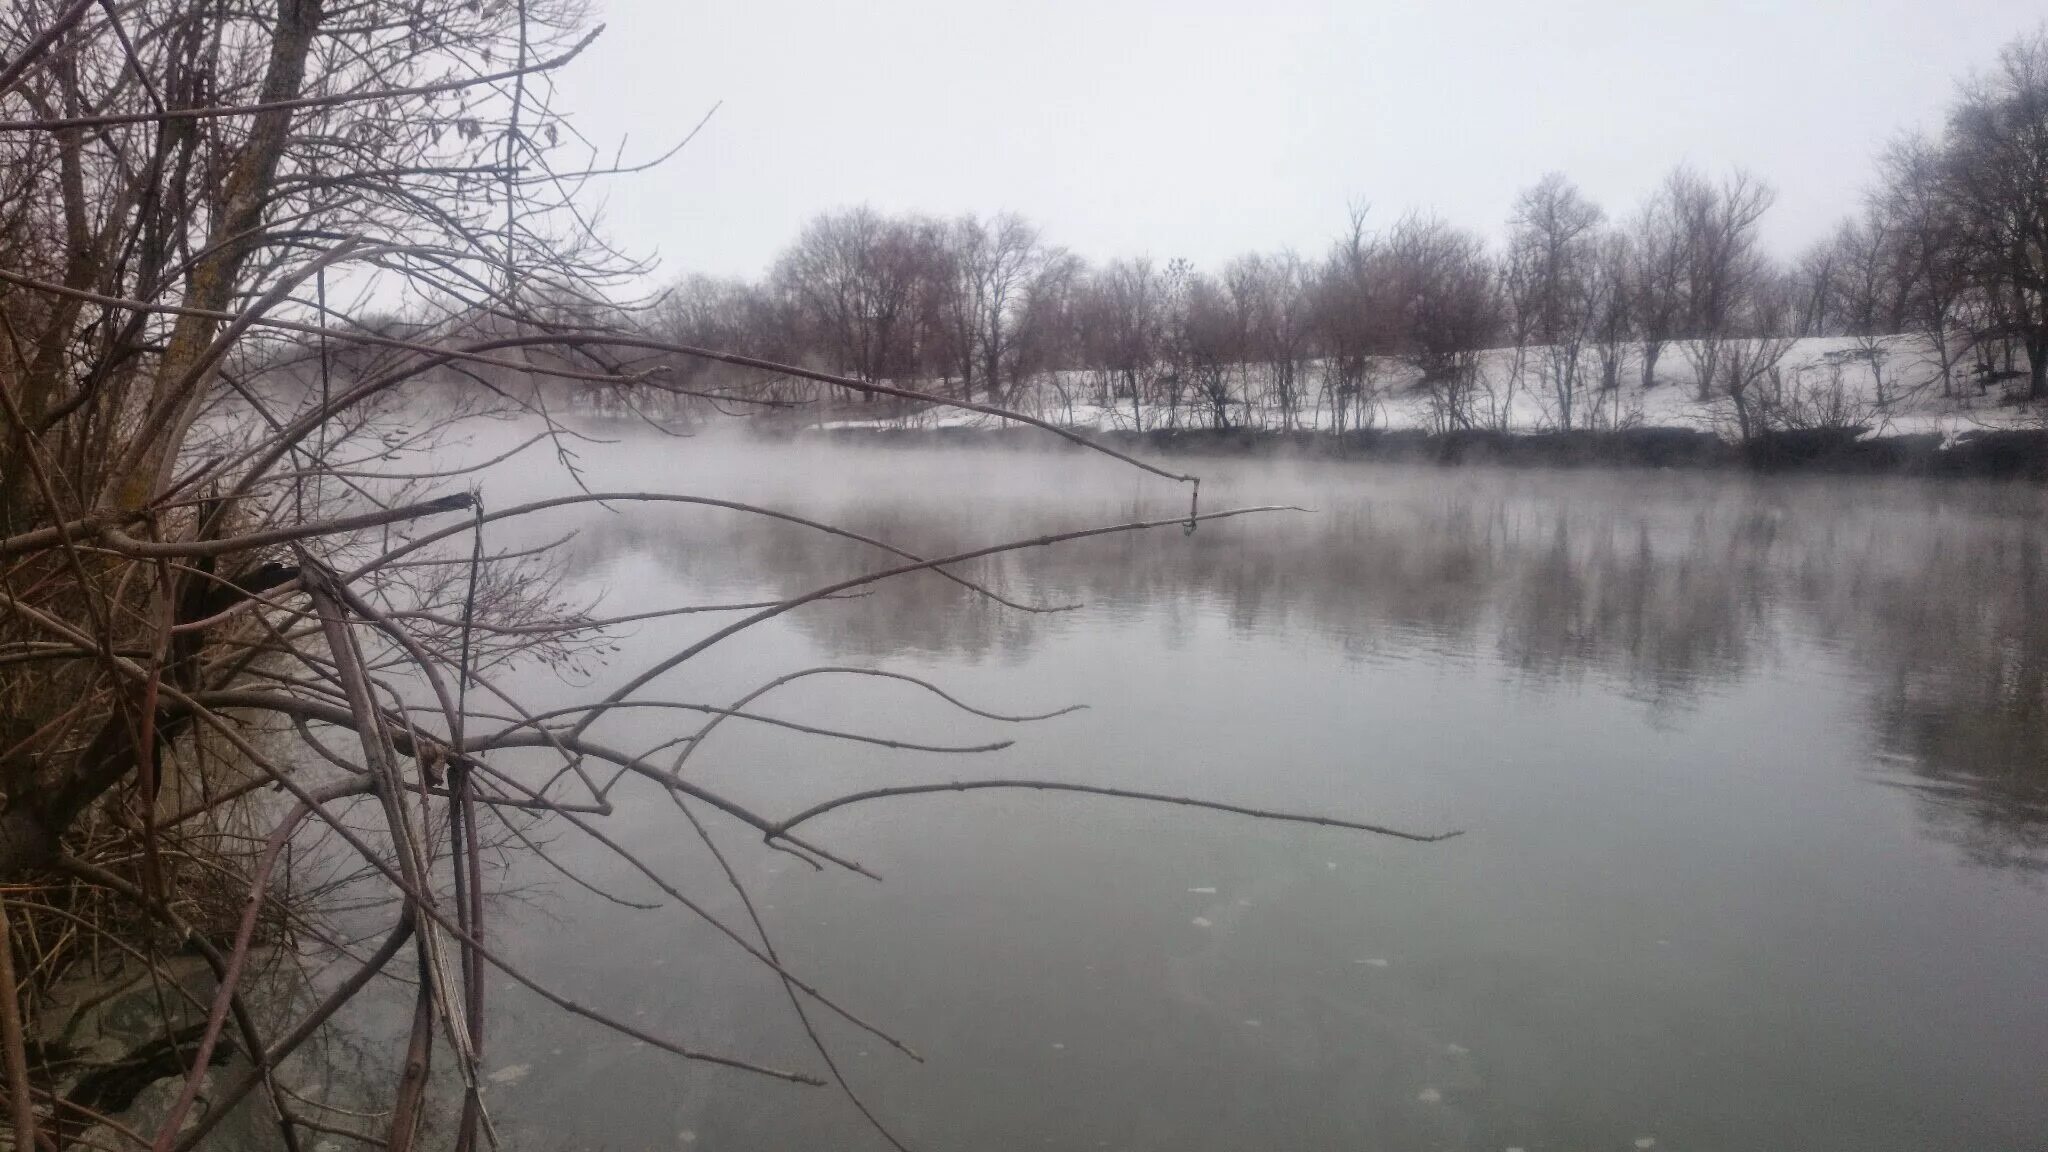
x: 1663, y: 619
x: 722, y: 558
x: 1658, y: 602
x: 1662, y: 590
x: 1958, y: 654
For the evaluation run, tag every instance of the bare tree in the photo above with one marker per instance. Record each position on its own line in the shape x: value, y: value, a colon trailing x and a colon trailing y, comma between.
x: 1657, y: 279
x: 1449, y: 311
x: 862, y: 282
x: 1049, y: 335
x: 1933, y: 266
x: 1717, y: 230
x: 1554, y: 286
x: 1250, y: 288
x: 1205, y: 336
x: 1355, y: 317
x: 1817, y: 275
x: 1749, y: 361
x: 1870, y: 295
x: 995, y: 264
x: 1613, y: 313
x: 1866, y: 297
x: 1176, y: 346
x: 1996, y: 179
x: 834, y: 275
x: 1126, y: 312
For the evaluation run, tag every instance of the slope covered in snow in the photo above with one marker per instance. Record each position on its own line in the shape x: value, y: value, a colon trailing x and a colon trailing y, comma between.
x: 1883, y: 386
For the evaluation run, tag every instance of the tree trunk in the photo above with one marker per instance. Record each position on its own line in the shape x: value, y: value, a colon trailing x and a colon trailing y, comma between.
x: 33, y: 825
x: 244, y: 196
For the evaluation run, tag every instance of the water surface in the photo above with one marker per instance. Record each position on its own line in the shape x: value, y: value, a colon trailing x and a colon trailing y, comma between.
x: 1750, y: 770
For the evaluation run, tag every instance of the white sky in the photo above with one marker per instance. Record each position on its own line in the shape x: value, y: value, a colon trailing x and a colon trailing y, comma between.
x: 1203, y: 129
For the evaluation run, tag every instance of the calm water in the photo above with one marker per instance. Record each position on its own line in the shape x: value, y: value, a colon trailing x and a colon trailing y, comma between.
x: 1751, y: 773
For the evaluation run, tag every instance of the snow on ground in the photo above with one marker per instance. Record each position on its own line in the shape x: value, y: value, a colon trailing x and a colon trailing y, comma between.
x: 1889, y: 386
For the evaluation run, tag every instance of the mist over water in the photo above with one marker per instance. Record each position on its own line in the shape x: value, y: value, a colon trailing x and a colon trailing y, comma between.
x: 1751, y: 772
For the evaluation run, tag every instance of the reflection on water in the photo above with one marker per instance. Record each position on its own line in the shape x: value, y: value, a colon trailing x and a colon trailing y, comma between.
x: 1756, y: 773
x: 1959, y: 685
x: 1660, y: 587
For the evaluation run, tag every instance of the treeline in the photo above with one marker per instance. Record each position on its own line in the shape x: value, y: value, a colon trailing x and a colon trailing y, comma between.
x: 1951, y: 245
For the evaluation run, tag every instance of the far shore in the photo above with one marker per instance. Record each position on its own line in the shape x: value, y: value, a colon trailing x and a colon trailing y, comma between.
x: 2007, y: 453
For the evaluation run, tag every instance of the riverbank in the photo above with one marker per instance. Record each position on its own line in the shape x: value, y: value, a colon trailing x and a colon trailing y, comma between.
x: 2019, y: 454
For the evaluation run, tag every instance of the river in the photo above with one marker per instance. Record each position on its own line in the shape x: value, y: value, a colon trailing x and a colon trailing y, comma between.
x: 1750, y: 773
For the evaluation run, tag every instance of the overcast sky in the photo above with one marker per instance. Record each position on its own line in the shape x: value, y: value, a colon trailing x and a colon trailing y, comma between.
x: 1202, y: 129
